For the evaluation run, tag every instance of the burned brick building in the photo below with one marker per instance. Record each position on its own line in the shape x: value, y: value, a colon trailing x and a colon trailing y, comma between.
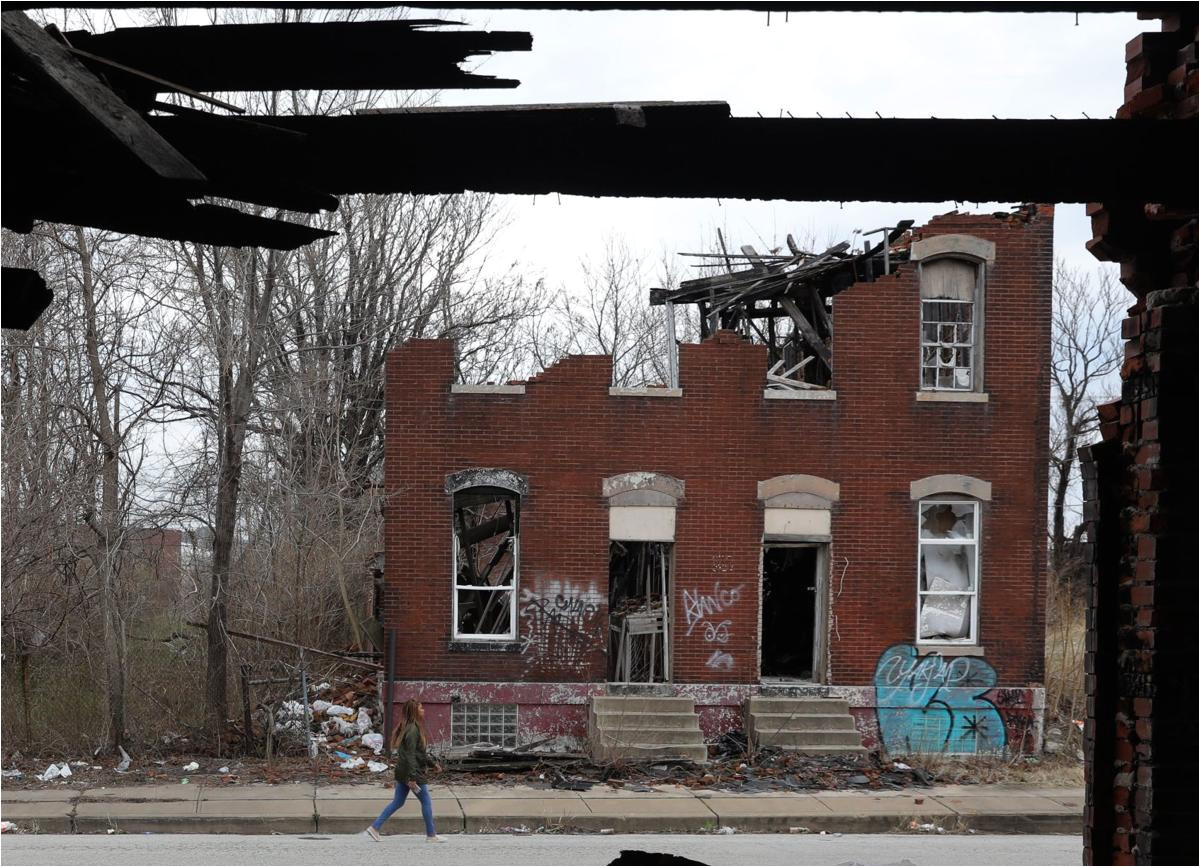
x: 720, y: 552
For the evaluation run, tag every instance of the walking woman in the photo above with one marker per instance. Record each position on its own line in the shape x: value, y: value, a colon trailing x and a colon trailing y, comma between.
x: 408, y: 742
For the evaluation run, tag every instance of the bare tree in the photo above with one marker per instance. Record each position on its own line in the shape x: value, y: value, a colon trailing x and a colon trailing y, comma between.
x: 1086, y: 351
x: 609, y: 313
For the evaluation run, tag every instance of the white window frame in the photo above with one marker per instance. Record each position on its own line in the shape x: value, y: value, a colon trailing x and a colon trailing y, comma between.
x: 511, y: 635
x: 972, y: 639
x: 974, y: 346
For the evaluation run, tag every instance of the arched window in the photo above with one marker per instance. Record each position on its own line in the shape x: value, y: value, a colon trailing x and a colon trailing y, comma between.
x: 951, y: 271
x: 948, y: 531
x: 487, y: 552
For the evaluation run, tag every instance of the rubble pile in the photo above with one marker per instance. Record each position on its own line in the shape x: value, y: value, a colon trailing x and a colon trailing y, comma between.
x: 341, y: 720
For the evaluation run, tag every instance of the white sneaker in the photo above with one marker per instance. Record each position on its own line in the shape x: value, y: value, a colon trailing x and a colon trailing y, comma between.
x: 372, y: 834
x: 434, y: 839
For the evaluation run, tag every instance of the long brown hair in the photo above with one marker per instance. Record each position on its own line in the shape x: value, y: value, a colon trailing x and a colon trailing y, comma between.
x: 409, y: 715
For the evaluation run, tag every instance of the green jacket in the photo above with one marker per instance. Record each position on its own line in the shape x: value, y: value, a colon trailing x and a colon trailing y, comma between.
x: 411, y: 757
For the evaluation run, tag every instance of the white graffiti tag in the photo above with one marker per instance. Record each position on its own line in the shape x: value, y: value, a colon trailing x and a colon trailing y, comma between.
x: 720, y: 659
x: 718, y: 633
x: 697, y: 607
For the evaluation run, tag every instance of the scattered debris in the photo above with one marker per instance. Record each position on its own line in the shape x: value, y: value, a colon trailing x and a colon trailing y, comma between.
x: 191, y: 766
x: 12, y: 774
x: 8, y: 827
x: 377, y: 767
x: 224, y: 770
x: 798, y: 829
x: 55, y: 772
x: 123, y: 766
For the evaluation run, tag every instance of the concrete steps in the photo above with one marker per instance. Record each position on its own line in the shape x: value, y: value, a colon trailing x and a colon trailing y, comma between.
x: 645, y: 727
x: 813, y: 726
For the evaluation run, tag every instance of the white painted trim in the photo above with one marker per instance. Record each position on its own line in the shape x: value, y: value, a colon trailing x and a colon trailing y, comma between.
x: 800, y: 394
x: 952, y: 396
x: 462, y: 388
x: 617, y: 391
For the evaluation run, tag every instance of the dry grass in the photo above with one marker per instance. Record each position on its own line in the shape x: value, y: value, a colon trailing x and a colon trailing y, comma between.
x: 1066, y: 632
x: 1059, y: 770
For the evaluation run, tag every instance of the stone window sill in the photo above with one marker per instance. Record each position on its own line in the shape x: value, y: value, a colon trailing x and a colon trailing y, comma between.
x: 460, y: 388
x: 465, y: 646
x: 951, y: 649
x: 952, y: 396
x: 804, y: 394
x: 616, y: 391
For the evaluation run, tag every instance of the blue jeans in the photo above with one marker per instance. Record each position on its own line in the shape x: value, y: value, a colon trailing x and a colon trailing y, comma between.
x: 398, y: 801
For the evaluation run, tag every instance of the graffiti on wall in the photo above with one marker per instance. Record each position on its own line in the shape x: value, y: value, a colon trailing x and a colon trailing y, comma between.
x: 703, y: 611
x: 931, y: 704
x: 559, y: 625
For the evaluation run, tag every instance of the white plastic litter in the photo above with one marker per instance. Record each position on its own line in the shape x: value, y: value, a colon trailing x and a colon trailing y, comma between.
x: 7, y: 827
x: 725, y: 829
x: 376, y: 767
x: 125, y: 762
x: 320, y: 705
x: 191, y: 766
x: 339, y: 710
x: 352, y: 764
x: 78, y: 764
x: 373, y: 741
x: 54, y: 772
x: 223, y: 770
x: 14, y: 774
x: 291, y: 709
x: 900, y: 766
x: 364, y: 720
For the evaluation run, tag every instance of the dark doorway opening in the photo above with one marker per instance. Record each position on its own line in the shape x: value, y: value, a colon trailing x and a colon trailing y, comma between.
x: 639, y: 575
x: 789, y: 612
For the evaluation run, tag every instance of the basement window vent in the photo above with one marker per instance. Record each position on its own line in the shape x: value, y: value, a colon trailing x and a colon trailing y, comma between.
x: 472, y: 723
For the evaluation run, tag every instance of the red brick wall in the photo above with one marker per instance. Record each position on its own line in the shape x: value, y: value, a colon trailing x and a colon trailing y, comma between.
x: 1139, y: 484
x: 566, y: 433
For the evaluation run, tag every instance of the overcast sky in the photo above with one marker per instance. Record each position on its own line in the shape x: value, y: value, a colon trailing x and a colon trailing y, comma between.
x: 897, y: 64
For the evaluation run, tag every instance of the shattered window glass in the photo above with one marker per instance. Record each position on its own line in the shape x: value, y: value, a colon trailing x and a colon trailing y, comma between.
x: 947, y: 345
x: 486, y: 555
x: 947, y: 582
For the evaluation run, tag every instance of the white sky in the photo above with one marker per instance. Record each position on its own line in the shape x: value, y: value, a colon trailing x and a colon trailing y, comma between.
x: 899, y: 64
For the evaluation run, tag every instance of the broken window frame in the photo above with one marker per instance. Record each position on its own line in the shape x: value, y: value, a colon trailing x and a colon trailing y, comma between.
x: 973, y: 322
x: 510, y: 588
x: 972, y: 637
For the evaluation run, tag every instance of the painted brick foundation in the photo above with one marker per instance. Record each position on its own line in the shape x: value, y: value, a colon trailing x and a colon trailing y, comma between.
x: 721, y: 437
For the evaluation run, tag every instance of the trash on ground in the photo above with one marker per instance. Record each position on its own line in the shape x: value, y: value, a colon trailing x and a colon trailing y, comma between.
x: 7, y: 827
x: 376, y: 767
x: 12, y: 774
x: 55, y: 772
x: 191, y: 766
x: 123, y: 765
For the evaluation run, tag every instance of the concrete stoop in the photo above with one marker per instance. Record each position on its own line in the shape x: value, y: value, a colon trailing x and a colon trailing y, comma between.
x: 637, y: 727
x: 811, y: 726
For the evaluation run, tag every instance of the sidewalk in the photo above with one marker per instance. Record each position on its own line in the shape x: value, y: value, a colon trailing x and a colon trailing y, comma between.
x: 301, y: 808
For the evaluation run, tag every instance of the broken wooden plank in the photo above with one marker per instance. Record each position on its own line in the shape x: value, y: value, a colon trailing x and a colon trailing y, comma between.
x: 79, y: 90
x: 278, y: 642
x: 809, y: 333
x: 792, y: 383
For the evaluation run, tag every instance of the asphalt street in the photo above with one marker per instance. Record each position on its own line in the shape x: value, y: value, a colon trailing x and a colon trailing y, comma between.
x: 504, y: 849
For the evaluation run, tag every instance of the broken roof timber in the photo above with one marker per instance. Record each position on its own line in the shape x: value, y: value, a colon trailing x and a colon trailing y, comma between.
x: 682, y: 150
x: 331, y: 55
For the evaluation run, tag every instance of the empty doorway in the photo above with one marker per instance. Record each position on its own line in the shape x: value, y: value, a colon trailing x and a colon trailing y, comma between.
x: 792, y: 588
x: 639, y: 580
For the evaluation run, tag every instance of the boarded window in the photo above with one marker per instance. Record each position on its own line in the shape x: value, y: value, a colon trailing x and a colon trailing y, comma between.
x: 947, y: 567
x: 486, y: 562
x: 478, y: 723
x: 948, y: 325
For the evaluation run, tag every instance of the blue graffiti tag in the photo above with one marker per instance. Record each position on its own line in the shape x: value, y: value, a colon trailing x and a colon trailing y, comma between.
x: 929, y: 704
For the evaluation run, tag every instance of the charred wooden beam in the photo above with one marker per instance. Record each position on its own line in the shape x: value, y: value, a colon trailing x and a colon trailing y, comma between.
x: 31, y: 52
x: 24, y: 295
x: 811, y: 338
x: 331, y: 55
